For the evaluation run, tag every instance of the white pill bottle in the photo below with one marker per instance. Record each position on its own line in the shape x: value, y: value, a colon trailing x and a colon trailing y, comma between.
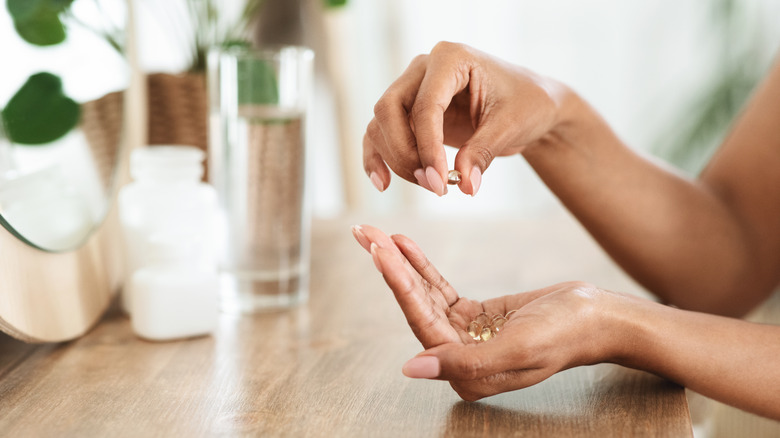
x: 167, y: 200
x: 173, y: 297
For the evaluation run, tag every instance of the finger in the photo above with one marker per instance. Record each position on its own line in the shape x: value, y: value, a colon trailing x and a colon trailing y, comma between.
x: 366, y: 234
x: 428, y: 322
x: 473, y: 390
x: 446, y: 75
x: 391, y: 112
x: 374, y: 165
x: 467, y: 362
x: 425, y: 268
x: 475, y: 156
x: 357, y: 232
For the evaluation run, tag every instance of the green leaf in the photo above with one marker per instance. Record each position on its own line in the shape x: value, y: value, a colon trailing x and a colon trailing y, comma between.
x: 40, y: 112
x: 335, y: 3
x: 38, y: 21
x: 257, y: 83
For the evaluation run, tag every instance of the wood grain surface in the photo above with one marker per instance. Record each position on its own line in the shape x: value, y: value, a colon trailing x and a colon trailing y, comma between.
x: 331, y: 368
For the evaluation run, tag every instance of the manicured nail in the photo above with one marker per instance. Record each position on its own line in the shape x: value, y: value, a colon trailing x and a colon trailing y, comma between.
x: 422, y: 367
x: 476, y: 180
x: 375, y: 257
x: 377, y: 182
x: 357, y: 231
x: 434, y: 180
x: 422, y: 180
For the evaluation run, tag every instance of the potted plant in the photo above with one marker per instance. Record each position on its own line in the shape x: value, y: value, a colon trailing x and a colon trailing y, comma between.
x: 41, y: 112
x: 178, y: 103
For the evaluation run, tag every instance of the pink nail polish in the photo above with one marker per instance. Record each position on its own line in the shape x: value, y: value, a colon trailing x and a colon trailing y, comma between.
x: 422, y: 180
x: 422, y: 367
x: 476, y: 180
x: 377, y: 182
x: 375, y: 257
x: 357, y: 231
x: 435, y: 181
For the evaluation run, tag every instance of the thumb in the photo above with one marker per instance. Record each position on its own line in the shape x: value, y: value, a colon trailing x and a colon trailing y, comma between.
x: 452, y: 361
x: 475, y: 155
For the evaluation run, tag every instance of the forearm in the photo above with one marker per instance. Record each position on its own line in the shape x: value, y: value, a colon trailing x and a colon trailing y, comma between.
x: 670, y: 233
x: 729, y: 360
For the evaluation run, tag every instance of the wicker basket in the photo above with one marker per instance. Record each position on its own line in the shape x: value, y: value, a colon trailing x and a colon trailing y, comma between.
x: 178, y: 110
x: 101, y: 122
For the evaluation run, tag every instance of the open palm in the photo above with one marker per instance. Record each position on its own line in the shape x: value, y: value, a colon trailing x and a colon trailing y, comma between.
x: 549, y: 331
x: 433, y: 309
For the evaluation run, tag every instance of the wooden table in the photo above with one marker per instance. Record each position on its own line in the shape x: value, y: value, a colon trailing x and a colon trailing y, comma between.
x: 332, y: 367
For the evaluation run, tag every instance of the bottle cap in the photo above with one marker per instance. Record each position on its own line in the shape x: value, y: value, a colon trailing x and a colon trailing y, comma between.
x: 169, y: 162
x: 173, y: 247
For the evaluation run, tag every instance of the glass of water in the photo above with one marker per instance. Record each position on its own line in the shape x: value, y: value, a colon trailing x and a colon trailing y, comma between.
x: 257, y: 162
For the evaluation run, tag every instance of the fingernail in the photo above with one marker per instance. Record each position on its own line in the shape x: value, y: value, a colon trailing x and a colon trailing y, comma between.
x: 421, y: 179
x: 357, y: 231
x: 377, y: 182
x: 375, y: 257
x: 422, y: 367
x: 476, y: 180
x: 434, y: 179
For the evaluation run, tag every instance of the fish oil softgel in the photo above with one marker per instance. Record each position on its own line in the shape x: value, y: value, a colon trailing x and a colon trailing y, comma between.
x: 453, y: 177
x: 485, y: 327
x: 474, y: 329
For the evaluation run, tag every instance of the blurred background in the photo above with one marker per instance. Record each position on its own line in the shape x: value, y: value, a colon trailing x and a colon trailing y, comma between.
x: 668, y: 76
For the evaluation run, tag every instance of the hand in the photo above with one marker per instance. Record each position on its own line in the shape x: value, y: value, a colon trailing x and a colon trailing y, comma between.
x: 463, y: 98
x: 552, y: 329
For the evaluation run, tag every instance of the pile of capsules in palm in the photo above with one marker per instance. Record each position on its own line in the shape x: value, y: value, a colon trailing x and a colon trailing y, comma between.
x: 485, y: 327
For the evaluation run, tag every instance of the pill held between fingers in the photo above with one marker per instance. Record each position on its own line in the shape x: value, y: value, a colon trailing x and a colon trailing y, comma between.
x: 453, y: 177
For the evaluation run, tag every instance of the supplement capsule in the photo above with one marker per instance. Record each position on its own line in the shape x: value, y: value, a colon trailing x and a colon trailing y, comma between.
x: 453, y: 177
x: 508, y: 314
x: 482, y: 319
x: 474, y: 329
x: 486, y: 334
x: 497, y: 324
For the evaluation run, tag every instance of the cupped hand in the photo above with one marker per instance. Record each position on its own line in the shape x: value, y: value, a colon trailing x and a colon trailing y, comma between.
x: 463, y: 98
x: 552, y: 329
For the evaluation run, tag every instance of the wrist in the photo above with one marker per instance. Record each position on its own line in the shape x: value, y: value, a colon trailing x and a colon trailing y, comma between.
x: 635, y: 326
x: 577, y: 125
x: 610, y: 329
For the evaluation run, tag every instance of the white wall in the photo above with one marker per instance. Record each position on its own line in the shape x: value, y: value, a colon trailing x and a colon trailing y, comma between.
x: 636, y: 62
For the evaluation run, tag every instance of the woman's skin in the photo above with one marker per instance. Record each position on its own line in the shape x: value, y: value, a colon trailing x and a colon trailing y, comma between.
x: 568, y: 325
x: 707, y: 245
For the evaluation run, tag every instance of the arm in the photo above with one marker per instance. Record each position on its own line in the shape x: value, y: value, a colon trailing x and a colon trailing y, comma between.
x: 726, y: 359
x: 712, y: 244
x: 569, y: 325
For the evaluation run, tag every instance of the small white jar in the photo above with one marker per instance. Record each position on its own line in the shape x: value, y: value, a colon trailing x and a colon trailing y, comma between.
x: 166, y: 196
x: 173, y: 297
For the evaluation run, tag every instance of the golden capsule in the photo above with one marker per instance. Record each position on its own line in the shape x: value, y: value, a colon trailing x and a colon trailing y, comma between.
x: 497, y: 324
x: 482, y: 318
x: 508, y: 314
x: 453, y: 177
x: 486, y: 334
x: 474, y: 329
